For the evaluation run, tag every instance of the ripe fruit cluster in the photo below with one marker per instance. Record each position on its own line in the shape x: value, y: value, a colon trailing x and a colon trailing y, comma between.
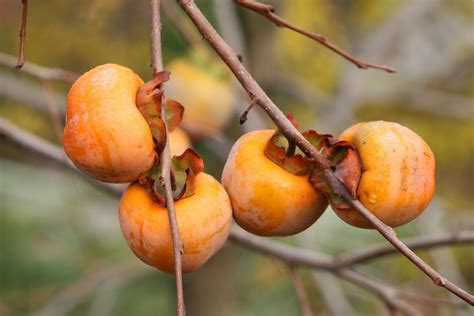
x: 114, y: 133
x: 396, y: 182
x: 108, y: 138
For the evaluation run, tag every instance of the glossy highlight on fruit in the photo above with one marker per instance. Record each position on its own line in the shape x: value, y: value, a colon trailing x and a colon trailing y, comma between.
x: 203, y: 219
x: 267, y: 200
x: 106, y: 136
x: 398, y: 175
x: 208, y: 100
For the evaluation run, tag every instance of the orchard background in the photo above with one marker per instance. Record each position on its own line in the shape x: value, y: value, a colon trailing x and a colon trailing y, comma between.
x: 61, y: 249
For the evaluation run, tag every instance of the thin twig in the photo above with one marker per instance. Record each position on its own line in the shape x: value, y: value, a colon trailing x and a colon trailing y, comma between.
x: 267, y: 11
x: 243, y: 117
x: 300, y: 291
x: 21, y: 54
x: 165, y: 160
x: 229, y: 56
x: 41, y: 72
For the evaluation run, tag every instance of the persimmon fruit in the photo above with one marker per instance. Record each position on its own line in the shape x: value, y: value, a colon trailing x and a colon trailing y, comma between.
x: 106, y: 136
x: 203, y: 218
x: 208, y: 100
x: 398, y: 174
x: 267, y: 200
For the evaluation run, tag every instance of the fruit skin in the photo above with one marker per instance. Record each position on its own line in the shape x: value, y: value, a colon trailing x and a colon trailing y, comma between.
x: 179, y: 142
x: 106, y: 136
x: 208, y: 101
x: 203, y: 222
x: 268, y: 200
x: 398, y: 175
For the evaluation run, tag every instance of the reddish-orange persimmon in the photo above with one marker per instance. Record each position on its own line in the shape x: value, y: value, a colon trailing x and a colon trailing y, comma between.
x: 267, y: 200
x: 398, y: 175
x: 203, y: 222
x: 106, y: 136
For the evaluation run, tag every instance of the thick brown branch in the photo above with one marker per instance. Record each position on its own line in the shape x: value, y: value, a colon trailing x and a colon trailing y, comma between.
x: 229, y: 56
x: 165, y: 160
x: 267, y: 11
x: 21, y: 54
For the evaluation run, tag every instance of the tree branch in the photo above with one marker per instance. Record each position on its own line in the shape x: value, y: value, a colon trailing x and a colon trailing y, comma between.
x: 229, y: 56
x: 300, y: 291
x: 267, y: 11
x: 41, y: 72
x: 165, y: 159
x: 418, y: 243
x: 21, y: 54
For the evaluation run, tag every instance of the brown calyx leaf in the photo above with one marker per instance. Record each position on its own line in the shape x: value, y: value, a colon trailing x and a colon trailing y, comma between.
x: 149, y: 101
x: 277, y: 151
x: 186, y: 167
x: 345, y: 163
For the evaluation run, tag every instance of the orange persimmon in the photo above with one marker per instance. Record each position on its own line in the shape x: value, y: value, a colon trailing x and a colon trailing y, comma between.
x: 267, y: 200
x: 398, y: 175
x: 203, y: 219
x: 106, y: 136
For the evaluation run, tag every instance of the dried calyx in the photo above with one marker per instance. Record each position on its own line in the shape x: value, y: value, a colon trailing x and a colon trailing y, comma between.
x: 150, y: 99
x: 342, y: 155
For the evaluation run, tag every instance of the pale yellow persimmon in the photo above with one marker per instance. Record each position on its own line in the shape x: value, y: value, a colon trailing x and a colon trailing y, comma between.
x: 398, y: 175
x: 208, y: 101
x: 179, y: 142
x: 267, y: 200
x: 203, y: 219
x: 106, y: 136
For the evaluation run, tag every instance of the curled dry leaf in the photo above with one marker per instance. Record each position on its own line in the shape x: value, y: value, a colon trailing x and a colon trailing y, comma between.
x: 276, y: 151
x: 346, y: 164
x: 186, y: 167
x: 149, y: 102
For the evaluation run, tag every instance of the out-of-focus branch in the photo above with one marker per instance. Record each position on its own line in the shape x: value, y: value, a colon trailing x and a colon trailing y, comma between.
x: 232, y: 32
x: 300, y: 291
x: 418, y: 243
x: 53, y: 110
x: 24, y: 16
x: 48, y: 150
x: 267, y: 11
x: 41, y: 72
x: 231, y: 58
x: 165, y: 160
x: 181, y: 24
x: 387, y: 294
x: 66, y: 299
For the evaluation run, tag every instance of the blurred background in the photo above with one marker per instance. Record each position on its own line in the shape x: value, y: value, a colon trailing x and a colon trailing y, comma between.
x: 61, y: 248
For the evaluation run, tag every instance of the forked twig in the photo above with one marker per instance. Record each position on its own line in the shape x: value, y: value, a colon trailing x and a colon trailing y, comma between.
x: 267, y: 11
